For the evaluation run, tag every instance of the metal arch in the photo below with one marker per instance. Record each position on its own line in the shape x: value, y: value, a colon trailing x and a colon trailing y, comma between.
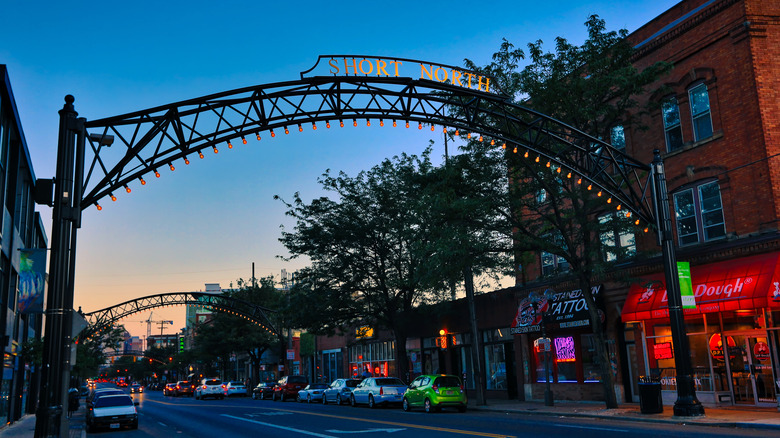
x: 147, y: 141
x: 105, y: 318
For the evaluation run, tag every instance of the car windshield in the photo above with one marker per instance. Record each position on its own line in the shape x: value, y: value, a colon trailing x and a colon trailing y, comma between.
x: 447, y: 382
x: 296, y: 379
x: 113, y: 401
x: 352, y: 383
x: 386, y: 382
x: 213, y: 382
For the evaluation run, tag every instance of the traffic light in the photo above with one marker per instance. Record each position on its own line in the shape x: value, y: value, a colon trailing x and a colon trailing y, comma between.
x: 181, y: 343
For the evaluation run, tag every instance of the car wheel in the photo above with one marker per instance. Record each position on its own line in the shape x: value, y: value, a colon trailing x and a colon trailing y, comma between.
x: 281, y: 397
x: 428, y: 406
x: 308, y: 399
x: 405, y: 405
x: 352, y: 401
x: 324, y: 399
x: 371, y: 404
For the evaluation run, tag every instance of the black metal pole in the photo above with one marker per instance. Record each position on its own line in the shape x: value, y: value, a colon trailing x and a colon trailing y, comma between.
x: 687, y: 405
x: 59, y: 305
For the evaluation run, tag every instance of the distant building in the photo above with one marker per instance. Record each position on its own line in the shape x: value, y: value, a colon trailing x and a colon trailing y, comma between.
x: 197, y: 313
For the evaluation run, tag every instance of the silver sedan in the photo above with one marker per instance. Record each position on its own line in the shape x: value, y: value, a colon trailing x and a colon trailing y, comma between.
x: 312, y: 392
x: 375, y: 391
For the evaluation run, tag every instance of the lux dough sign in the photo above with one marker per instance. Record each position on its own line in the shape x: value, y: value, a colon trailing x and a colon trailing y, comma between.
x: 345, y: 65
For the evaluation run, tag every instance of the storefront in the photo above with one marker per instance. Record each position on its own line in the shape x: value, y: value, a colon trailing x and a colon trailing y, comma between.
x: 569, y: 359
x: 373, y: 359
x: 733, y: 331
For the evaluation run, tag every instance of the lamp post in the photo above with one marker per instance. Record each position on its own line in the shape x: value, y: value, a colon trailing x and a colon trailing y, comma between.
x: 542, y: 308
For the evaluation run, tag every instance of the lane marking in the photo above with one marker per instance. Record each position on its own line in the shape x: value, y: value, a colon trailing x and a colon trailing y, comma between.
x: 162, y: 424
x: 392, y: 423
x: 305, y: 432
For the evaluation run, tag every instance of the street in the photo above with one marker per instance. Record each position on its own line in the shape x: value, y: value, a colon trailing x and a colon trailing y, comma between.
x: 162, y: 416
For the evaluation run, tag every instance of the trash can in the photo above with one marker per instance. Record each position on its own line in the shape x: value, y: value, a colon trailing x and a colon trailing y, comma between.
x: 650, y: 401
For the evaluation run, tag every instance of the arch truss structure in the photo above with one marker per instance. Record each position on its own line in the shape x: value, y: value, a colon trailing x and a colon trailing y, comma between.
x: 104, y: 319
x: 122, y: 150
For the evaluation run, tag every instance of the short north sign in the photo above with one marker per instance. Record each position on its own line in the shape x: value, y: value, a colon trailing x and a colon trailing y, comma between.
x: 353, y: 65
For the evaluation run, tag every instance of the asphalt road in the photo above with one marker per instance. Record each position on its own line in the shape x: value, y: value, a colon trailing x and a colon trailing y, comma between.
x: 165, y: 417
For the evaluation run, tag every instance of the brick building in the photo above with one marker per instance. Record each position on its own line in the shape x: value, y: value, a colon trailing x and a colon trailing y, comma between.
x: 717, y: 126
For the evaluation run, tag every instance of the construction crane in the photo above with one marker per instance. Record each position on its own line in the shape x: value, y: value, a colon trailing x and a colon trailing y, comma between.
x: 160, y: 323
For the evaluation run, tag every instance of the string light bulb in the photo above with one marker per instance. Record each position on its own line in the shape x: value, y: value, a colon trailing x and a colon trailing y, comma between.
x: 537, y: 158
x: 243, y: 139
x: 200, y: 154
x: 170, y: 166
x: 113, y: 198
x: 457, y: 132
x: 568, y: 175
x: 327, y: 124
x: 636, y: 222
x: 286, y: 131
x: 273, y: 134
x: 598, y: 194
x: 503, y: 146
x: 579, y: 180
x: 354, y: 122
x: 525, y: 155
x: 480, y: 138
x: 381, y: 122
x: 394, y: 123
x: 258, y: 136
x: 127, y: 189
x: 548, y: 164
x: 143, y: 183
x: 300, y: 128
x: 99, y: 208
x: 628, y: 214
x: 433, y: 128
x: 313, y: 126
x: 216, y: 151
x: 609, y: 200
x: 341, y: 123
x: 419, y: 126
x: 590, y: 186
x: 156, y: 173
x: 492, y: 142
x: 619, y: 207
x: 515, y: 149
x: 368, y: 122
x: 230, y: 145
x: 468, y: 136
x: 407, y: 123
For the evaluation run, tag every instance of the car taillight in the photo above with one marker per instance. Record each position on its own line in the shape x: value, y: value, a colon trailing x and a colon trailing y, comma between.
x: 204, y: 387
x: 462, y: 387
x: 381, y: 390
x: 223, y: 386
x: 435, y: 388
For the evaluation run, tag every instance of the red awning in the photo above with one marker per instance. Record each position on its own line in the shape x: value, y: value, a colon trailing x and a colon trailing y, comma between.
x: 741, y: 284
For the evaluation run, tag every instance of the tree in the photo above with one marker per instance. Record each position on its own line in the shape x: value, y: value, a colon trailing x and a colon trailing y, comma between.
x: 226, y: 334
x: 90, y: 352
x: 369, y: 249
x: 591, y: 88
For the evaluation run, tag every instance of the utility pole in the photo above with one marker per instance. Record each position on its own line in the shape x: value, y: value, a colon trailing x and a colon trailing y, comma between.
x: 66, y: 219
x: 687, y: 405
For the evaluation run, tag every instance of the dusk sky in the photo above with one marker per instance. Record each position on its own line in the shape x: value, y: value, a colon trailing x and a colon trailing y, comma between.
x: 209, y: 221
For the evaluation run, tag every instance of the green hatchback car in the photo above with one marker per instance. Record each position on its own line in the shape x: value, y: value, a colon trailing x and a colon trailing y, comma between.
x: 433, y: 392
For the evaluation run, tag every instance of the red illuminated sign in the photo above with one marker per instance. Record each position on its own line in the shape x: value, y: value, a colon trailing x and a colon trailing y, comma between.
x: 663, y: 351
x: 716, y: 347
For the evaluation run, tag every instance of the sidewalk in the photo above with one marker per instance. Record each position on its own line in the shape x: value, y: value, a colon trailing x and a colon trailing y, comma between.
x: 754, y: 418
x: 25, y: 426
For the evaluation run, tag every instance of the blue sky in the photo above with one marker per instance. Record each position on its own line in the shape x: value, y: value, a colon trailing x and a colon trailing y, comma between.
x: 208, y: 222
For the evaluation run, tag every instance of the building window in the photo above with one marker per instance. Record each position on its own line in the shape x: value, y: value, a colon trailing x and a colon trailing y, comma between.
x: 552, y: 263
x: 617, y: 239
x: 672, y: 128
x: 700, y: 112
x: 699, y: 214
x: 618, y: 137
x: 541, y: 196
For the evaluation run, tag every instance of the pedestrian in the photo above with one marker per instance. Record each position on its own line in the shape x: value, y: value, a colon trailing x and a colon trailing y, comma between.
x: 73, y: 401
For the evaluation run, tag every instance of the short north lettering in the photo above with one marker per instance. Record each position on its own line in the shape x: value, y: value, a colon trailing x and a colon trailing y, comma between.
x: 390, y: 68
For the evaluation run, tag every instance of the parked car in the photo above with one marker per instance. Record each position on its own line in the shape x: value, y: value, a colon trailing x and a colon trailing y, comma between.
x: 433, y: 392
x: 375, y: 391
x: 184, y: 387
x: 112, y: 411
x: 288, y: 386
x: 136, y: 387
x: 339, y: 390
x: 263, y: 390
x: 234, y: 389
x: 210, y: 387
x: 101, y: 392
x: 169, y: 389
x: 312, y: 392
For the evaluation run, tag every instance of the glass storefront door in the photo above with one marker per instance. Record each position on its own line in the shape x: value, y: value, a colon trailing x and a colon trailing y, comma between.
x: 750, y: 362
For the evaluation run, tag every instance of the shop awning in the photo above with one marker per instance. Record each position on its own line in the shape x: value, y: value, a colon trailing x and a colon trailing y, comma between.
x: 740, y: 284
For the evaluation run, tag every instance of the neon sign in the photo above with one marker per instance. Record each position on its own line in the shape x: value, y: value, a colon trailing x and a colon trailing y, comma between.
x: 564, y: 349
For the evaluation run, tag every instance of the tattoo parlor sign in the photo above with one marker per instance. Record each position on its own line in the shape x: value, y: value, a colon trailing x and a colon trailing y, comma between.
x: 561, y: 310
x: 375, y: 66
